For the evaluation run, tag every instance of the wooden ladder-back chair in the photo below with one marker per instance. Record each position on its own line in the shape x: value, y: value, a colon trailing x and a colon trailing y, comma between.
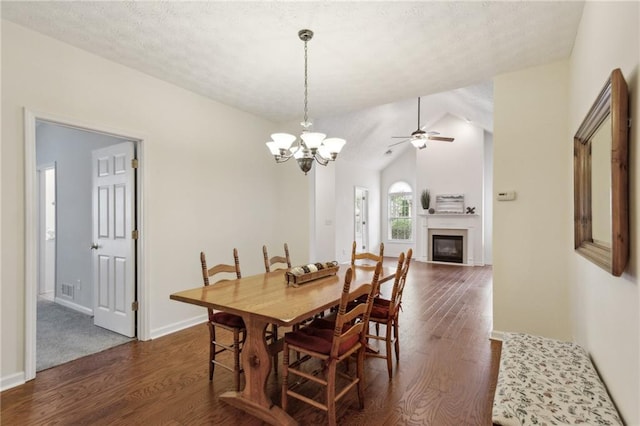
x: 387, y: 311
x: 276, y: 260
x: 281, y: 262
x: 366, y: 256
x: 226, y: 321
x: 331, y: 343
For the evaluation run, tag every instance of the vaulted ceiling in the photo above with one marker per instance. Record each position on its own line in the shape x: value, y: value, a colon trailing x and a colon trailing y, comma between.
x: 368, y: 61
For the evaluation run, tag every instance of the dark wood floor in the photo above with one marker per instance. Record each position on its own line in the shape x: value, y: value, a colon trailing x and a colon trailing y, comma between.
x: 446, y: 376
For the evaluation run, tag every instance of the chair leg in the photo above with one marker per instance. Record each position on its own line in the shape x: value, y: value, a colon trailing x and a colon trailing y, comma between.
x: 396, y: 334
x: 285, y: 376
x: 388, y: 343
x: 236, y: 358
x: 360, y: 375
x: 331, y: 393
x: 212, y: 350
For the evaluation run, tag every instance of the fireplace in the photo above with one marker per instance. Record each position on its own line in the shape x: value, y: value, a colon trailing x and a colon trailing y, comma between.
x: 467, y: 226
x: 447, y: 248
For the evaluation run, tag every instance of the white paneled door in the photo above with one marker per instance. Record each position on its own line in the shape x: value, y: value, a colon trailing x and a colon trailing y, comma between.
x: 361, y: 219
x: 113, y: 244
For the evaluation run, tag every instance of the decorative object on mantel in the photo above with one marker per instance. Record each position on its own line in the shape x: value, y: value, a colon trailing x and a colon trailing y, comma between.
x: 305, y: 273
x: 471, y: 210
x: 425, y: 199
x: 311, y: 145
x: 432, y: 210
x: 450, y: 203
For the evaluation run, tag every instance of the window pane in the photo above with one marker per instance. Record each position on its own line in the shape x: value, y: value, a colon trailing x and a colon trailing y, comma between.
x: 400, y: 207
x: 400, y: 187
x: 400, y: 229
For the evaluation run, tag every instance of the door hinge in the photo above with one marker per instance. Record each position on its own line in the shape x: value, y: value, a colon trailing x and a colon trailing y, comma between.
x: 134, y: 234
x: 134, y: 306
x: 134, y: 163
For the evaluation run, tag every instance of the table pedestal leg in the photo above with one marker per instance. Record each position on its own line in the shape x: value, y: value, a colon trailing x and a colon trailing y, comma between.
x: 256, y: 361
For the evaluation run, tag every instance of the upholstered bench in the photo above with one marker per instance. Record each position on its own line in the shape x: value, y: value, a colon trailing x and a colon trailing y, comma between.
x: 548, y: 382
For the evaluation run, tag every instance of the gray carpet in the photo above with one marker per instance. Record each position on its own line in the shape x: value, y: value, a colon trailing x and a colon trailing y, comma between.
x: 64, y: 335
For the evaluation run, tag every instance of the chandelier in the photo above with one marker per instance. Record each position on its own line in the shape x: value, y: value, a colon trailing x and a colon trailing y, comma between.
x: 311, y: 145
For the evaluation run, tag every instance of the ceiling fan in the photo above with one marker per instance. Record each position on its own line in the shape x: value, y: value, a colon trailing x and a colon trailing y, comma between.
x: 419, y: 137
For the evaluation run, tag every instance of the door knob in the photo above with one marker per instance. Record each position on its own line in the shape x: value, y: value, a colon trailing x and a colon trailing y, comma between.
x: 94, y: 246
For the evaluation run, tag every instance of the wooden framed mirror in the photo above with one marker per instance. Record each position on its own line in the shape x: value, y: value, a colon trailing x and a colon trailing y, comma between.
x: 601, y: 182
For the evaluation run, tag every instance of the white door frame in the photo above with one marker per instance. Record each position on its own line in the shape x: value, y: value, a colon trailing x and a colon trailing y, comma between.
x: 42, y: 241
x: 31, y: 228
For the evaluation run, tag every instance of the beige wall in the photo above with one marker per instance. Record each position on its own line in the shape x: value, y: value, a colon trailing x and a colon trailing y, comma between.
x: 210, y: 183
x: 532, y: 235
x: 541, y: 285
x: 606, y: 319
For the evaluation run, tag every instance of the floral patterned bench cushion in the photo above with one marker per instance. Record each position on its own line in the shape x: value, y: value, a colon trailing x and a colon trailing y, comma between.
x: 543, y: 381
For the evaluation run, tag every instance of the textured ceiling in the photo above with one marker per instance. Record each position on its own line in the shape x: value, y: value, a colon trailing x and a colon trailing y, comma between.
x: 363, y: 54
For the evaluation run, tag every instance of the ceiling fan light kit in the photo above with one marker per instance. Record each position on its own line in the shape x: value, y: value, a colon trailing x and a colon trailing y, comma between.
x: 311, y: 146
x: 419, y: 143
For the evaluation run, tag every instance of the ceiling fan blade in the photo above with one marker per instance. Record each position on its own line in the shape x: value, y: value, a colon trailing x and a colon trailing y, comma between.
x: 400, y: 137
x: 429, y: 132
x: 440, y: 138
x: 398, y: 143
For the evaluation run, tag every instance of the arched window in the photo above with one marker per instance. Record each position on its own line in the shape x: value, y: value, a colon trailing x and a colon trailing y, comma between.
x: 400, y: 201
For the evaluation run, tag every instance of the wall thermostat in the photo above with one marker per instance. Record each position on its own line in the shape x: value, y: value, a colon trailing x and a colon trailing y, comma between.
x: 506, y: 196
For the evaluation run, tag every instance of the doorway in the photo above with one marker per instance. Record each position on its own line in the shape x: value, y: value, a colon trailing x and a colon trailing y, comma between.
x: 361, y: 219
x: 68, y: 147
x: 46, y: 230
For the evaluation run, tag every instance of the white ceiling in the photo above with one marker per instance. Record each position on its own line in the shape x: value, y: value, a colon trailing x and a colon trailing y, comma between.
x: 368, y: 61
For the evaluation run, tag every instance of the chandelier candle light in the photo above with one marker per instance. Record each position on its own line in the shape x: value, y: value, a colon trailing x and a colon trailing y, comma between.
x: 311, y: 145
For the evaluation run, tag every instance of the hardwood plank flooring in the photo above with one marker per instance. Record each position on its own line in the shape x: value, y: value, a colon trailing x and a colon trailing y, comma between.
x: 446, y: 375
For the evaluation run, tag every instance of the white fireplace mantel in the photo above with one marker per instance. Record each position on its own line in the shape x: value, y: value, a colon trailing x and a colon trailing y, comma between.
x: 468, y: 225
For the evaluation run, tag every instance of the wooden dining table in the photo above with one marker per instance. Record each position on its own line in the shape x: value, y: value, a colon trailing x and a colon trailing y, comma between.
x: 265, y: 299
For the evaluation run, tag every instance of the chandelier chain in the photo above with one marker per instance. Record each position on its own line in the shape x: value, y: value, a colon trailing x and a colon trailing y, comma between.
x: 306, y: 115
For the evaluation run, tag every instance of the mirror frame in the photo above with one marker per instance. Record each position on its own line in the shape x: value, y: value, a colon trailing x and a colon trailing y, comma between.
x: 613, y: 101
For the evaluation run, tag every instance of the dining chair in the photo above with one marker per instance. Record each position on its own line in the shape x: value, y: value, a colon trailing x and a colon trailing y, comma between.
x: 386, y: 312
x: 226, y: 321
x: 331, y: 343
x: 276, y: 260
x: 366, y: 256
x: 281, y: 262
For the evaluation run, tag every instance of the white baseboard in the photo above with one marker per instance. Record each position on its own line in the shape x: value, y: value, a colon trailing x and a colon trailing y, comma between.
x: 181, y: 325
x: 74, y: 306
x: 12, y: 381
x: 497, y: 335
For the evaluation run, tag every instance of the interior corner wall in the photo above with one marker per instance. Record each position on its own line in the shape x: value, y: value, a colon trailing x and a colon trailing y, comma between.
x: 532, y: 235
x: 209, y: 181
x: 605, y: 309
x: 402, y: 169
x: 347, y: 177
x: 487, y: 218
x: 324, y: 212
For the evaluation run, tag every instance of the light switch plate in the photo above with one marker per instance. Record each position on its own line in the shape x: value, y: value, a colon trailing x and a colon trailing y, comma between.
x: 506, y: 195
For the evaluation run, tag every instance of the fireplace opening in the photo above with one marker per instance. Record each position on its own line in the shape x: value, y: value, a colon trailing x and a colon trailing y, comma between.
x: 447, y: 248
